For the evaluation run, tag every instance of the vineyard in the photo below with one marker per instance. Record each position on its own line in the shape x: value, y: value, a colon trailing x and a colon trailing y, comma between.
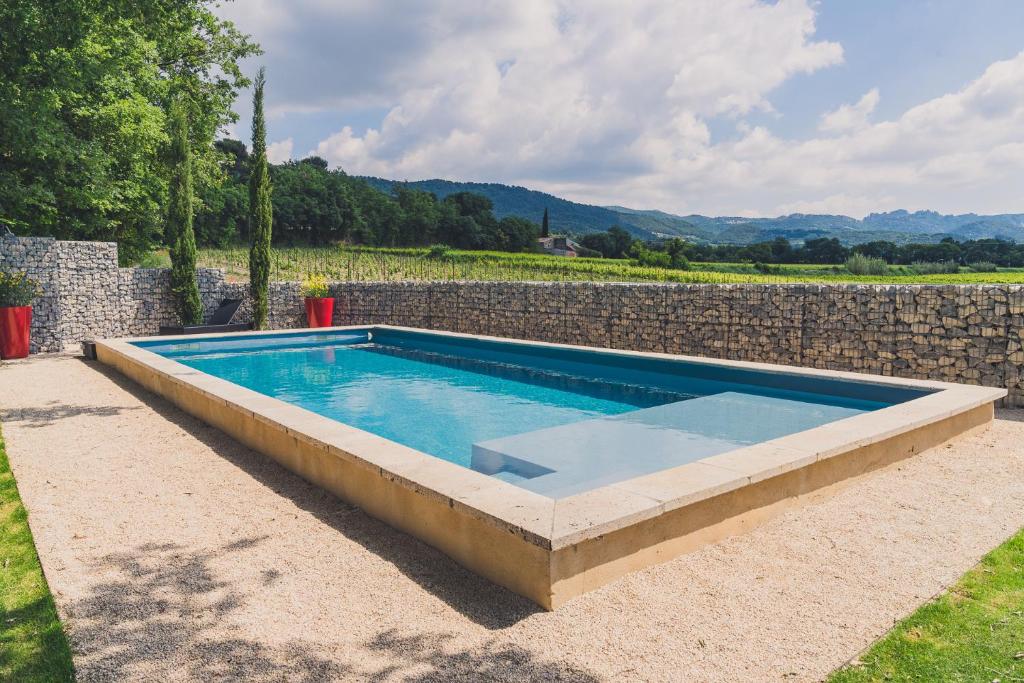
x: 381, y: 264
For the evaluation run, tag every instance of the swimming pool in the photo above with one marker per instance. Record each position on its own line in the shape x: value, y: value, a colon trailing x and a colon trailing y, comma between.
x: 554, y: 423
x: 549, y: 468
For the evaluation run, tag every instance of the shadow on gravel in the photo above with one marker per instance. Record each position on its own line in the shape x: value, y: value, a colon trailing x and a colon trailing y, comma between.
x: 161, y: 602
x: 487, y: 604
x: 161, y: 611
x: 56, y: 411
x: 1010, y: 414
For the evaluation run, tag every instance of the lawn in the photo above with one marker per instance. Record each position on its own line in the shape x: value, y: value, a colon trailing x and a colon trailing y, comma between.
x: 33, y: 646
x: 974, y: 632
x: 378, y: 264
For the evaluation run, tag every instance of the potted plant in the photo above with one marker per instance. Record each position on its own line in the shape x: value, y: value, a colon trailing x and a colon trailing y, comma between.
x: 319, y: 306
x: 16, y: 294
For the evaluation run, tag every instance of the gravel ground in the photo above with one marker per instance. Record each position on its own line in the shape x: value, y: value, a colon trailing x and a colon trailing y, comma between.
x: 176, y: 554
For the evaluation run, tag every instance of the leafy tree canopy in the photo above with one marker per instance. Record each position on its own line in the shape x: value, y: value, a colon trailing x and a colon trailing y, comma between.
x: 313, y: 204
x: 85, y: 87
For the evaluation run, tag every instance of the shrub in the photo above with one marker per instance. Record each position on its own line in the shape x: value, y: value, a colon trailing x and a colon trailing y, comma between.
x: 767, y: 268
x: 17, y: 289
x: 859, y: 264
x: 438, y: 252
x: 934, y: 267
x: 315, y: 287
x: 652, y: 259
x: 983, y: 267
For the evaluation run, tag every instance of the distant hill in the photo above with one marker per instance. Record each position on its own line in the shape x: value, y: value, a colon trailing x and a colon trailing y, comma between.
x: 577, y: 219
x: 565, y: 216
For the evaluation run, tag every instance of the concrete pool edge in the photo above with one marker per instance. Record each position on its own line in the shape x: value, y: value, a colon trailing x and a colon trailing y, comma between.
x: 548, y: 550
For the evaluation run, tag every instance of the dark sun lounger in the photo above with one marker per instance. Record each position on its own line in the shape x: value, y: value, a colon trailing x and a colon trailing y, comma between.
x: 220, y: 321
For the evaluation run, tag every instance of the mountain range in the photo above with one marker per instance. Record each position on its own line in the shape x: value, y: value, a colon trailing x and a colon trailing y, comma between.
x: 574, y: 218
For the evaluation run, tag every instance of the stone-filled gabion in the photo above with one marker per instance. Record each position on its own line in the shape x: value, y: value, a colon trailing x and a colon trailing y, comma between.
x: 962, y: 333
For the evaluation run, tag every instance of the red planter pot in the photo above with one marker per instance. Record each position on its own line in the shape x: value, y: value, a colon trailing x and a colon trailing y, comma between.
x: 15, y: 322
x: 320, y: 312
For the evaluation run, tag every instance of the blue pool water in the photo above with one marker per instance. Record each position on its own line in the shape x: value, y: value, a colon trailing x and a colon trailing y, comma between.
x: 553, y: 421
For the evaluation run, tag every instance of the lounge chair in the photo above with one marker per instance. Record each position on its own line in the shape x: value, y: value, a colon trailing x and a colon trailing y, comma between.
x: 220, y: 321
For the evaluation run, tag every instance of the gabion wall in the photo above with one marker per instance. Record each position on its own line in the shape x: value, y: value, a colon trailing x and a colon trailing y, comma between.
x: 86, y: 295
x: 962, y: 333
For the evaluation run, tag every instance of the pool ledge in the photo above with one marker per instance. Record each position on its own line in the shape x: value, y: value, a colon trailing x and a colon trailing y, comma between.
x: 552, y: 550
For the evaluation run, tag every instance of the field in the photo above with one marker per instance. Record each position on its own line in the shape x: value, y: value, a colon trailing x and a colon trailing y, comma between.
x: 373, y: 264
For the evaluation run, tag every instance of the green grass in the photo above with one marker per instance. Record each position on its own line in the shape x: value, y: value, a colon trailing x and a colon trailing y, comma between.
x: 975, y: 632
x: 373, y: 264
x: 33, y: 646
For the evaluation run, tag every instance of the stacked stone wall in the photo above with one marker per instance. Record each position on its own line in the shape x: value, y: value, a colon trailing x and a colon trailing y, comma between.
x: 962, y: 333
x: 38, y: 258
x: 954, y: 333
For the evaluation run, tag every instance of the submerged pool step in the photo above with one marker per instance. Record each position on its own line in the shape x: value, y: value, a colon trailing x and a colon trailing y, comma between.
x: 561, y: 461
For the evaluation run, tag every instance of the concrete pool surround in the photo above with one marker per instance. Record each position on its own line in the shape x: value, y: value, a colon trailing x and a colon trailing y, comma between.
x: 550, y: 550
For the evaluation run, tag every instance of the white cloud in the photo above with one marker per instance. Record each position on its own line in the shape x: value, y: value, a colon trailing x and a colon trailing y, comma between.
x: 851, y: 116
x: 280, y: 151
x: 539, y: 91
x: 963, y: 144
x: 610, y: 102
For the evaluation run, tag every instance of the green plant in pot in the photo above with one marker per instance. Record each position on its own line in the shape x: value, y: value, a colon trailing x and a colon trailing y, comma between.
x: 17, y: 292
x: 319, y: 303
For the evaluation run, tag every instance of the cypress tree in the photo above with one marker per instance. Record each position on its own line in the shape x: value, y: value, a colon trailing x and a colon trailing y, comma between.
x: 178, y: 232
x: 544, y: 224
x: 260, y: 210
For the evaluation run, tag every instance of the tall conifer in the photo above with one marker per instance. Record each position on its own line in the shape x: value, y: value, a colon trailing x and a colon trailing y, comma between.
x: 260, y: 210
x: 179, y: 234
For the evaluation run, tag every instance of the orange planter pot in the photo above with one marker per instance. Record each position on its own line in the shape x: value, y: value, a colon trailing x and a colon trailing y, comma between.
x: 15, y: 322
x: 320, y: 312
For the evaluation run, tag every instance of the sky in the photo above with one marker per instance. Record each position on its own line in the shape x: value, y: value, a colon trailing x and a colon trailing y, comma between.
x: 718, y: 107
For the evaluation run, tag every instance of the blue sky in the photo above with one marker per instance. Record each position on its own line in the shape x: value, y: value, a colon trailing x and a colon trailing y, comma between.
x: 712, y: 106
x: 911, y: 50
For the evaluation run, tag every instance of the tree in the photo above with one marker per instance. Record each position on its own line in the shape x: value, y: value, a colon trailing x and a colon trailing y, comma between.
x: 598, y: 242
x: 234, y: 160
x: 84, y: 95
x: 420, y: 215
x: 311, y: 204
x: 824, y: 250
x: 260, y: 209
x: 883, y: 249
x: 179, y: 234
x: 676, y: 250
x: 467, y: 221
x: 544, y: 227
x: 782, y: 250
x: 222, y: 215
x: 621, y: 241
x: 517, y: 234
x: 615, y: 243
x: 222, y: 211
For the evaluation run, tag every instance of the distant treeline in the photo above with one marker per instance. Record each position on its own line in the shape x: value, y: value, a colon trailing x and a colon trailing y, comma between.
x: 315, y: 206
x: 829, y: 250
x: 676, y: 252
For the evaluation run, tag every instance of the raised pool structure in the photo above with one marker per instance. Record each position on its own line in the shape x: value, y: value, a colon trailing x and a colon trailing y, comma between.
x: 550, y: 469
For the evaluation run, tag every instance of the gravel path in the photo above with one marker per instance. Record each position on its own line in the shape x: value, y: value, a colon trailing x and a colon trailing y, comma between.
x: 176, y: 554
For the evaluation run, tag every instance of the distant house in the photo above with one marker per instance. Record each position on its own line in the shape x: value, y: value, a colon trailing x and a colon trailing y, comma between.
x: 559, y: 246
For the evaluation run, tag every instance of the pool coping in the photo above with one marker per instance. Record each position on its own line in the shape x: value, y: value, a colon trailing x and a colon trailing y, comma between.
x: 555, y: 525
